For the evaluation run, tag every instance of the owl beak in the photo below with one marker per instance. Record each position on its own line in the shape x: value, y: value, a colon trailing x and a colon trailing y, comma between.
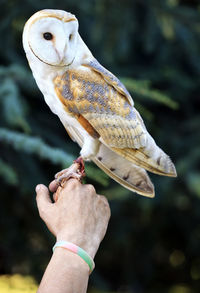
x: 62, y: 56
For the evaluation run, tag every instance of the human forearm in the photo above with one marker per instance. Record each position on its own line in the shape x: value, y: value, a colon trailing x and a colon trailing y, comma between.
x: 79, y: 216
x: 65, y: 273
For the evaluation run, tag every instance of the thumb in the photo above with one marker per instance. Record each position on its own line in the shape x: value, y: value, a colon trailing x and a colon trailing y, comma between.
x: 43, y: 199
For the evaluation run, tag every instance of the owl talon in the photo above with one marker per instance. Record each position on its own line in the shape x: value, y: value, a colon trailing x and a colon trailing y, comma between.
x: 65, y: 177
x: 76, y: 171
x: 81, y: 169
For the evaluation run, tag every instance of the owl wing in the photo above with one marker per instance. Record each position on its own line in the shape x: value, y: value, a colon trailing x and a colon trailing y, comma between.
x: 122, y: 171
x: 102, y: 106
x: 104, y: 110
x: 110, y: 78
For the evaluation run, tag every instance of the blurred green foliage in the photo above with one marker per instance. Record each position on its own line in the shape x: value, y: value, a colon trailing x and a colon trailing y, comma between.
x: 151, y: 246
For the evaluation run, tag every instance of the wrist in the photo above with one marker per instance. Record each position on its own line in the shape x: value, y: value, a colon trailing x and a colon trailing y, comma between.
x: 70, y: 260
x: 80, y: 240
x: 76, y: 250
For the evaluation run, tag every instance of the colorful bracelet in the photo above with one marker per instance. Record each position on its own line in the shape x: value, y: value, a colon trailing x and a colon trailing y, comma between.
x: 77, y: 250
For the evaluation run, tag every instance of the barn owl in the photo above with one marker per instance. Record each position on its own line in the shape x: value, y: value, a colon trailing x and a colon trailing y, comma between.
x: 95, y: 108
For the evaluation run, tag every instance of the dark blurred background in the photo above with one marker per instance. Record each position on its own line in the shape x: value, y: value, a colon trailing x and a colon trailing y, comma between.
x: 152, y: 245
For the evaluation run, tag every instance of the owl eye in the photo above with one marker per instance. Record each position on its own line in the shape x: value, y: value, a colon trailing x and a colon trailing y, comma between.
x: 70, y: 37
x: 48, y: 36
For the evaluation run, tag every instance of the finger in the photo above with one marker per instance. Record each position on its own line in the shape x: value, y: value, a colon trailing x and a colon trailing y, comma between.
x: 43, y: 199
x: 56, y: 194
x: 53, y: 186
x: 55, y: 197
x: 72, y: 183
x: 66, y: 188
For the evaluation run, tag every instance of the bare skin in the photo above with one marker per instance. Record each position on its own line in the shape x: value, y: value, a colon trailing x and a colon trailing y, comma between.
x: 80, y: 216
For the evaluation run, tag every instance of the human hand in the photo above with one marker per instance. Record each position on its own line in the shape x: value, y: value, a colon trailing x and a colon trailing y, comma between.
x: 79, y: 215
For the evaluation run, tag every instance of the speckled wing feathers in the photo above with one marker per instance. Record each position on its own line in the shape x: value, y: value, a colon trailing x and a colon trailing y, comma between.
x: 110, y: 79
x: 99, y: 107
x: 100, y: 104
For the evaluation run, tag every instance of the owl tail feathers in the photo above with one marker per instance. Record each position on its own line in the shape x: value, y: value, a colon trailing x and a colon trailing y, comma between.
x: 124, y: 172
x: 158, y: 163
x: 121, y: 170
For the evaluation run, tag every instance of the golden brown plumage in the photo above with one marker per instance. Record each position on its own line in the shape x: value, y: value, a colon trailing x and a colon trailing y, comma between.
x: 105, y: 107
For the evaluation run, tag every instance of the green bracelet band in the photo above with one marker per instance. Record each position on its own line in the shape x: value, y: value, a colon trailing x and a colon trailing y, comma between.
x: 77, y: 250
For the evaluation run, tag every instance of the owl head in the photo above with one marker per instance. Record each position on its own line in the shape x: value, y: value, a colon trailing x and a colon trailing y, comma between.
x: 52, y: 37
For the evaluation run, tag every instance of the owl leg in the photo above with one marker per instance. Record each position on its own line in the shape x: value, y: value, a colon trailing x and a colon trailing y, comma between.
x: 76, y: 171
x: 90, y: 148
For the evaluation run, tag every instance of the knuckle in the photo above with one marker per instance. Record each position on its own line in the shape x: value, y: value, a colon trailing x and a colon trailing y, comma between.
x: 106, y: 206
x: 104, y: 200
x: 90, y: 188
x: 73, y: 183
